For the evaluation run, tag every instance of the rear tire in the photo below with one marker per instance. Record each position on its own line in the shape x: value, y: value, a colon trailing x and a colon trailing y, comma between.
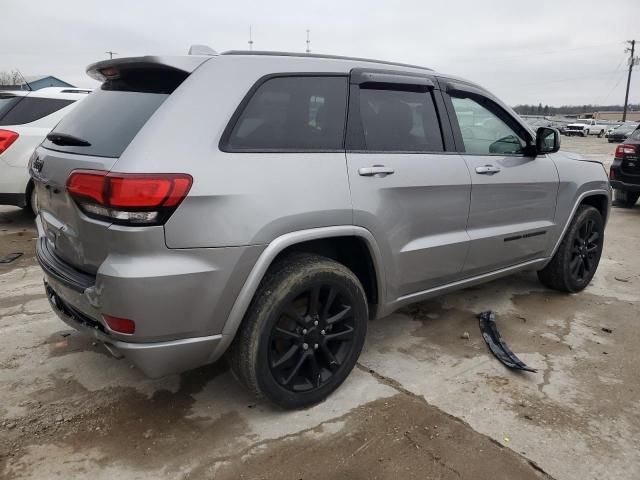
x: 303, y: 332
x: 624, y: 198
x: 576, y: 261
x: 601, y: 134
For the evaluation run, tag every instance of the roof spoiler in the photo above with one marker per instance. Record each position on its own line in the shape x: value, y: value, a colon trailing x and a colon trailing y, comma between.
x: 106, y: 69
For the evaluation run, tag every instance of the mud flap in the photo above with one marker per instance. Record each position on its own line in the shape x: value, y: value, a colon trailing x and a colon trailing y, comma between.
x: 496, y: 344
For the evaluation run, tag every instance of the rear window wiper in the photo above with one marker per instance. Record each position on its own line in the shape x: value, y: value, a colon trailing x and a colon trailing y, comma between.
x: 64, y: 139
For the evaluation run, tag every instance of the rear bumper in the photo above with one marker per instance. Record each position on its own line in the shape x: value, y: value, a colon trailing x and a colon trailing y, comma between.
x: 154, y: 359
x: 628, y: 187
x: 180, y: 301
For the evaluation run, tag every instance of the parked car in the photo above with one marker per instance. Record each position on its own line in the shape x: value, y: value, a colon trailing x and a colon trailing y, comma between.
x: 267, y: 205
x: 25, y: 118
x: 586, y: 127
x: 611, y: 128
x: 624, y: 173
x: 621, y: 133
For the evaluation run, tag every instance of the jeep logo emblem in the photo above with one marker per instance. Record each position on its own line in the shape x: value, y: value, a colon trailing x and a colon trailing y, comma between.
x: 37, y: 164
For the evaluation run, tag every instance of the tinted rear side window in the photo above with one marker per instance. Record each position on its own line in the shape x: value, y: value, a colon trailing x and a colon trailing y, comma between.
x: 30, y: 109
x: 292, y: 114
x: 402, y: 121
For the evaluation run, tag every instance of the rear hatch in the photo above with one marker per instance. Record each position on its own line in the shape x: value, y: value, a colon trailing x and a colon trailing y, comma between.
x: 92, y: 138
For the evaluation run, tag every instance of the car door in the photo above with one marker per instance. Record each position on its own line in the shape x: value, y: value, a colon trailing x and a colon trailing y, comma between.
x: 408, y: 186
x: 513, y: 191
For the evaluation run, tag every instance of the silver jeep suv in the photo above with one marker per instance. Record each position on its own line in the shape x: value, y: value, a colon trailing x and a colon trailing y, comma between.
x: 267, y: 205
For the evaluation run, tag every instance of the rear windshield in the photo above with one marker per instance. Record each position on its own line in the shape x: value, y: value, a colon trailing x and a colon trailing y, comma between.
x: 23, y: 110
x: 6, y: 104
x: 635, y: 135
x: 107, y: 120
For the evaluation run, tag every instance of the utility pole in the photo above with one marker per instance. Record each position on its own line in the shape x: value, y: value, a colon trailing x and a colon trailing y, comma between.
x: 111, y: 54
x: 308, y: 42
x: 632, y: 61
x: 250, y: 39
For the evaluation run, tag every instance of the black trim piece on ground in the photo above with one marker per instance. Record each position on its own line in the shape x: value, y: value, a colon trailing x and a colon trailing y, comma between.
x: 497, y: 345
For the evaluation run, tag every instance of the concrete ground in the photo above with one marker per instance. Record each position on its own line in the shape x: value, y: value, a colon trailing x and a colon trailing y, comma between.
x: 424, y: 402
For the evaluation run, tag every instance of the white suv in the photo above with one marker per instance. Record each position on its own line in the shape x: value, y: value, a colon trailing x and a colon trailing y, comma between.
x: 25, y: 119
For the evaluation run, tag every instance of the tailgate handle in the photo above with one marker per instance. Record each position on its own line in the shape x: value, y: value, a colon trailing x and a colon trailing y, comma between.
x: 375, y: 170
x: 487, y: 170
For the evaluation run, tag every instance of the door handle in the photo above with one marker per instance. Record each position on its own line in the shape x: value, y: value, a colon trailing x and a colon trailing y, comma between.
x: 487, y: 170
x: 375, y: 170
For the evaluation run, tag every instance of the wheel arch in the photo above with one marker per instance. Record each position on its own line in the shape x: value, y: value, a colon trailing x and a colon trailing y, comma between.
x: 27, y: 193
x: 599, y: 199
x: 327, y: 241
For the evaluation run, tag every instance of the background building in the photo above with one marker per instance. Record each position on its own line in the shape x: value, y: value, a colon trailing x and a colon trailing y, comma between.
x: 36, y: 82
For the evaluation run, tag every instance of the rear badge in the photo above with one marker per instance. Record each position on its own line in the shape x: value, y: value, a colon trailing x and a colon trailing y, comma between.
x: 37, y: 164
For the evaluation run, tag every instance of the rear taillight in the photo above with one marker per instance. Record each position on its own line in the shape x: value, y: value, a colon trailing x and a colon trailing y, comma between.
x: 7, y: 137
x: 612, y: 174
x: 128, y: 198
x: 625, y: 149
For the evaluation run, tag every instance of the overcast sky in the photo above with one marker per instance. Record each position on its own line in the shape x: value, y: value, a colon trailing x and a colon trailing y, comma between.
x: 554, y: 52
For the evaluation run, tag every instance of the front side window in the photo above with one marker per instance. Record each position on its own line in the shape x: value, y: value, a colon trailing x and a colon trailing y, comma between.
x: 293, y: 114
x: 483, y: 132
x: 398, y: 120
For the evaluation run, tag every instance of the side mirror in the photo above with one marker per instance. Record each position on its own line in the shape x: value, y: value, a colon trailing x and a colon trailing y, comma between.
x: 547, y: 140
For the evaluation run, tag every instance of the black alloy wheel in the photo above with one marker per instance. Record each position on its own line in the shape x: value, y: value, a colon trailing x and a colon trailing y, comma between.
x: 312, y: 337
x: 586, y: 246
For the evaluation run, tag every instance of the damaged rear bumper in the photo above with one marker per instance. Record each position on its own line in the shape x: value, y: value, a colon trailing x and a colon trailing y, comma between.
x: 154, y: 359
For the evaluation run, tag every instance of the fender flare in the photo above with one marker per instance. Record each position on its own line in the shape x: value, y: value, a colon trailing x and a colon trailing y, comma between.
x: 244, y: 298
x: 583, y: 195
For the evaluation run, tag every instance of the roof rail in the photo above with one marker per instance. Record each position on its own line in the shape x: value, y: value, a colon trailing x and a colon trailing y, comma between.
x: 318, y: 55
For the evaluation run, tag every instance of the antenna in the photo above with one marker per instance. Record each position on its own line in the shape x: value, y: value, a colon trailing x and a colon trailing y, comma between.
x: 308, y: 42
x: 111, y: 54
x: 25, y: 81
x: 250, y: 39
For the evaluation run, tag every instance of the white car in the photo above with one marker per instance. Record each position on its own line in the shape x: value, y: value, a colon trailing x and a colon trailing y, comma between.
x: 26, y: 117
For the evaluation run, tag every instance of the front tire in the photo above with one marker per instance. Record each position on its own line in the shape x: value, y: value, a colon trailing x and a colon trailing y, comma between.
x: 576, y: 261
x: 624, y: 198
x: 303, y: 333
x: 585, y: 133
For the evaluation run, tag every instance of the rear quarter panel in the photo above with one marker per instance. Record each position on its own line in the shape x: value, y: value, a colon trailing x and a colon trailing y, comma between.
x: 236, y: 198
